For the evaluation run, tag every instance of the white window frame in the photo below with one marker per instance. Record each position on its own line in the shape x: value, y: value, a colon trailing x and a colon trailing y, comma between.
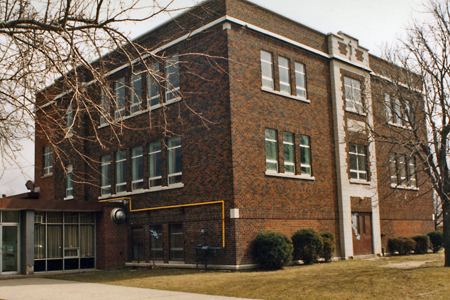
x: 171, y: 155
x: 353, y: 97
x: 172, y: 85
x: 137, y: 180
x: 69, y: 181
x: 136, y: 94
x: 104, y: 108
x: 272, y: 141
x: 358, y: 171
x: 305, y: 148
x: 105, y: 165
x: 283, y: 68
x: 48, y: 160
x: 153, y: 96
x: 265, y: 77
x: 402, y: 170
x: 119, y: 109
x: 290, y: 145
x: 300, y: 76
x: 152, y: 154
x: 69, y: 118
x: 121, y: 167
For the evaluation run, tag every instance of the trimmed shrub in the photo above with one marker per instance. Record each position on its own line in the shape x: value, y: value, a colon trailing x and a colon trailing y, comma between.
x: 328, y: 235
x: 436, y: 240
x: 422, y: 244
x: 402, y: 245
x: 308, y: 245
x: 328, y: 246
x: 272, y: 250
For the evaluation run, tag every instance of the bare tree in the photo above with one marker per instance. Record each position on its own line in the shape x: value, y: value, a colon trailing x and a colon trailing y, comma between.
x: 65, y: 44
x: 419, y: 102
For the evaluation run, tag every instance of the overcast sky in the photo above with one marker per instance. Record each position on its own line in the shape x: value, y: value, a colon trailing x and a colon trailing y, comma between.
x: 372, y: 22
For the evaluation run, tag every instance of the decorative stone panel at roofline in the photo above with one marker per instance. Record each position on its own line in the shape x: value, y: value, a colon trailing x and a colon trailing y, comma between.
x: 347, y: 48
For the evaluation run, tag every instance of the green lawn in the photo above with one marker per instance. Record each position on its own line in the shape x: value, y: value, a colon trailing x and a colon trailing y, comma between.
x: 403, y: 277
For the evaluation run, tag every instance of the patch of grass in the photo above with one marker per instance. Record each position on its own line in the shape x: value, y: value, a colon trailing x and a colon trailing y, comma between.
x: 352, y: 279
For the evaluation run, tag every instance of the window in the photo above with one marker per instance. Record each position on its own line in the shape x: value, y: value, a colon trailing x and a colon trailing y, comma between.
x: 69, y: 118
x: 174, y: 160
x: 266, y: 70
x: 288, y: 145
x: 137, y: 237
x: 283, y: 72
x: 119, y: 91
x: 121, y: 177
x: 153, y: 89
x: 176, y: 242
x: 136, y: 93
x: 271, y: 150
x: 305, y: 155
x: 156, y: 243
x: 395, y: 113
x: 137, y: 169
x: 48, y: 160
x: 104, y: 102
x: 353, y: 100
x: 154, y: 162
x: 69, y: 183
x: 172, y: 78
x: 300, y: 80
x: 106, y: 175
x: 357, y: 157
x: 402, y: 170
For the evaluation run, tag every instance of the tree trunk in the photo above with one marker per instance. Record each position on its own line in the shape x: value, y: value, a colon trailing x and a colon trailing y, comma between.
x: 446, y: 222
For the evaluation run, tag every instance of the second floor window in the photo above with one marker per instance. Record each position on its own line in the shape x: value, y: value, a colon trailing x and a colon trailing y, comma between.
x: 172, y: 75
x: 353, y: 101
x: 121, y: 172
x: 104, y: 108
x: 48, y: 160
x: 69, y: 118
x: 69, y: 181
x: 119, y: 94
x: 174, y: 160
x: 106, y: 175
x: 271, y: 150
x: 305, y: 155
x: 357, y: 161
x: 402, y: 170
x: 154, y: 163
x: 396, y: 114
x: 137, y: 168
x: 288, y: 145
x: 266, y: 70
x: 300, y: 80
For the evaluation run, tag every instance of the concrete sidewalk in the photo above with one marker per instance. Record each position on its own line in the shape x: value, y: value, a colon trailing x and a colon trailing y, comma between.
x: 52, y: 289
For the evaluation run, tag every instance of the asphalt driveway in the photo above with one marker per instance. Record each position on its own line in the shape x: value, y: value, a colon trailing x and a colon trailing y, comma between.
x: 33, y: 288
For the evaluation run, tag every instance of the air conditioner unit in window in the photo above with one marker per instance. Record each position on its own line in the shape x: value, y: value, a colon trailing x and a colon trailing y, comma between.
x: 38, y: 219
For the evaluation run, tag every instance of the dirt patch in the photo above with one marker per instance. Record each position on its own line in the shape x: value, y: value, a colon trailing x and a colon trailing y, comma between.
x: 408, y: 264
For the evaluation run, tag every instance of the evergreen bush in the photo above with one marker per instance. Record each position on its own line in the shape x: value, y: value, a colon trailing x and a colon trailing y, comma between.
x: 328, y: 246
x: 272, y: 250
x: 308, y: 245
x: 402, y: 245
x: 436, y: 240
x: 422, y: 244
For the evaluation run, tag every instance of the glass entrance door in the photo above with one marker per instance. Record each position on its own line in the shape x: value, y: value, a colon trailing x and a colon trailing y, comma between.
x: 9, y: 247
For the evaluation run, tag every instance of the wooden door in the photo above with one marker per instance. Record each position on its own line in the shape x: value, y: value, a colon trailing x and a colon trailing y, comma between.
x: 362, y: 233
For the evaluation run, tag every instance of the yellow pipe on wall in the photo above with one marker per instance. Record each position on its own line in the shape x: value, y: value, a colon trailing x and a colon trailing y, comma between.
x: 177, y: 206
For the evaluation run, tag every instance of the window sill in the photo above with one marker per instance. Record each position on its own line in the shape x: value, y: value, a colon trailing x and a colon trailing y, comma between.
x: 399, y: 126
x: 355, y: 112
x: 404, y: 187
x: 144, y: 191
x: 47, y: 176
x: 292, y: 176
x: 359, y: 181
x: 284, y: 95
x: 141, y: 112
x: 68, y: 198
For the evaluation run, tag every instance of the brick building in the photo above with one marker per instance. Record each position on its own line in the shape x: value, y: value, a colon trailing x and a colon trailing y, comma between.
x: 256, y: 124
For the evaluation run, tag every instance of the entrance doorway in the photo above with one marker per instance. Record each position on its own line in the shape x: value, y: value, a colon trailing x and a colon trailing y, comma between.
x: 362, y: 233
x: 9, y: 248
